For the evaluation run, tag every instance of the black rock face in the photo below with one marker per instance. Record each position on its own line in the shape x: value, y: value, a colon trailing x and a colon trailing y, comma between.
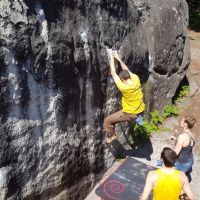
x: 55, y: 91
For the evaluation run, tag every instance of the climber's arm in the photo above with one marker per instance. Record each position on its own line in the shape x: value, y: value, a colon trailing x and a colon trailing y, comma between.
x: 112, y: 67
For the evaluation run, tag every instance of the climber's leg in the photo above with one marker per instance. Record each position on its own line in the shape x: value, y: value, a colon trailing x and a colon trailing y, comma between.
x: 111, y: 120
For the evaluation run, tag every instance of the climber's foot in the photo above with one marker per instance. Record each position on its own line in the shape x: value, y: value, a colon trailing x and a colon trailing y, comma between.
x: 111, y: 138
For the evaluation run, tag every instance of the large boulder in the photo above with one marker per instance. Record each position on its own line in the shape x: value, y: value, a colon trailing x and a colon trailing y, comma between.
x: 55, y: 91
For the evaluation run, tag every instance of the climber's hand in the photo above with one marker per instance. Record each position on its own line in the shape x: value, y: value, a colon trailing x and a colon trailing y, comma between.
x: 116, y: 55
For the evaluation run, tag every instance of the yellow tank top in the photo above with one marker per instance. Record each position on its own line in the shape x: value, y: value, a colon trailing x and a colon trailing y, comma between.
x: 132, y: 97
x: 168, y: 186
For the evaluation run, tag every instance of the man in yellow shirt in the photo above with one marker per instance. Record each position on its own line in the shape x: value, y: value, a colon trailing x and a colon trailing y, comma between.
x: 132, y: 97
x: 166, y: 182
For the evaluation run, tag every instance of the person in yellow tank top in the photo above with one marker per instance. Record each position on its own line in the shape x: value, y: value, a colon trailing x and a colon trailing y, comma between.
x: 132, y: 97
x: 166, y: 182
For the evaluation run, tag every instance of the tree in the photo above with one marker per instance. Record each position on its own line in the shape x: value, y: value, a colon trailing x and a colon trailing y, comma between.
x: 194, y: 14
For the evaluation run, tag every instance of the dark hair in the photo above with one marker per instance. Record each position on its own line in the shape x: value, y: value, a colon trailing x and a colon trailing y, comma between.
x: 190, y: 121
x: 124, y: 74
x: 169, y: 156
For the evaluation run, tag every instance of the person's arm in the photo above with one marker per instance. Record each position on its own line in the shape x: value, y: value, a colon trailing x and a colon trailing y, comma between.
x: 117, y: 57
x: 186, y: 186
x: 148, y: 186
x: 112, y: 66
x: 179, y: 144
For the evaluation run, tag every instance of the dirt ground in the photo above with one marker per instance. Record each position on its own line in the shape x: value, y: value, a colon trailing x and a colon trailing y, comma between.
x: 190, y: 106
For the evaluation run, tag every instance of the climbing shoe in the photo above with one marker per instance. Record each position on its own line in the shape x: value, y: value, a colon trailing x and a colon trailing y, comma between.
x: 110, y: 137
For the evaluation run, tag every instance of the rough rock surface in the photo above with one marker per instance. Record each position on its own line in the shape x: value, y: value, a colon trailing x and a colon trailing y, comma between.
x: 55, y: 93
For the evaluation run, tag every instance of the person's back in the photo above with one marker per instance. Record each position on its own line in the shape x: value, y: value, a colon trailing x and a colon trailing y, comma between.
x: 132, y: 96
x: 166, y: 182
x: 168, y: 186
x: 186, y: 151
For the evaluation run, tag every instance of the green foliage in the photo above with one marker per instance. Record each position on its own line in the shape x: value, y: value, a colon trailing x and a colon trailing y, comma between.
x: 118, y: 159
x: 194, y: 14
x: 171, y: 111
x: 183, y: 92
x: 151, y: 127
x: 156, y: 118
x: 142, y: 133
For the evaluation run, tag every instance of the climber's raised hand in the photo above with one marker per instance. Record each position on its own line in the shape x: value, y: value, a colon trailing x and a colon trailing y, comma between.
x: 110, y: 52
x: 116, y: 56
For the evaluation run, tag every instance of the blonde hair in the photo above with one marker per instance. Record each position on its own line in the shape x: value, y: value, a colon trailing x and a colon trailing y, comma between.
x: 190, y: 121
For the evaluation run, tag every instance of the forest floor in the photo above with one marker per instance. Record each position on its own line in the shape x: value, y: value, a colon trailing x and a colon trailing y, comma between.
x: 189, y: 106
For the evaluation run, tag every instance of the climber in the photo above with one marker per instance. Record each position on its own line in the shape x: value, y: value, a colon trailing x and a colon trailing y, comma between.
x: 132, y: 97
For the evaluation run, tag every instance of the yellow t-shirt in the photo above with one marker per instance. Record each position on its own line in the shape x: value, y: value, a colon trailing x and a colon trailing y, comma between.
x: 168, y: 186
x: 132, y: 97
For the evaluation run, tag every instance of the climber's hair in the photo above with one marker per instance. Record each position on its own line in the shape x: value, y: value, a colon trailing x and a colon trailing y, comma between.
x: 190, y: 121
x: 124, y: 74
x: 168, y: 156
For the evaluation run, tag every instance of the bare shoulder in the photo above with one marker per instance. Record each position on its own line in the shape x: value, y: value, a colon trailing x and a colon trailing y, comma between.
x: 183, y: 177
x: 152, y: 175
x: 182, y: 136
x: 182, y: 174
